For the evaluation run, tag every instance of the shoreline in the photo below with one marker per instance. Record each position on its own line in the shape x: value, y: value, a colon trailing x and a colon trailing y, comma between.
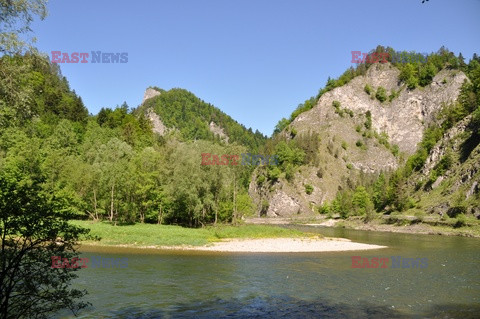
x: 258, y: 245
x: 376, y: 225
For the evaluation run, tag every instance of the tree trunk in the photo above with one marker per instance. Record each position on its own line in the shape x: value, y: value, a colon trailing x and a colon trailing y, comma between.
x: 111, y: 203
x: 95, y: 204
x: 160, y: 215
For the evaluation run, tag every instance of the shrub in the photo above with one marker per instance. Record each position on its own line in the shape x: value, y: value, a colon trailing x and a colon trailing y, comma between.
x: 320, y: 173
x: 368, y: 122
x: 360, y: 144
x: 260, y: 179
x: 308, y: 189
x: 273, y: 173
x: 349, y: 166
x: 324, y: 209
x: 344, y: 145
x: 368, y: 89
x: 289, y: 172
x: 461, y: 221
x: 381, y: 94
x: 395, y: 150
x: 393, y: 95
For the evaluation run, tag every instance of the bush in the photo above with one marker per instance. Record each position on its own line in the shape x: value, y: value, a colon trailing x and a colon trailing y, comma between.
x: 273, y: 173
x: 320, y: 173
x: 381, y: 94
x: 393, y: 95
x: 461, y: 221
x: 395, y: 150
x: 308, y: 189
x: 360, y: 144
x: 368, y: 122
x: 324, y: 209
x: 260, y: 180
x: 344, y: 145
x: 368, y: 89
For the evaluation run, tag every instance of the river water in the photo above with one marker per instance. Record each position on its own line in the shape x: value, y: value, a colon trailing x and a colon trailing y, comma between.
x: 170, y: 284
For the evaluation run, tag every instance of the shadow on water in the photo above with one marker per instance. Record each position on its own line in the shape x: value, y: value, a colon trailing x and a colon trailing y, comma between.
x: 288, y: 307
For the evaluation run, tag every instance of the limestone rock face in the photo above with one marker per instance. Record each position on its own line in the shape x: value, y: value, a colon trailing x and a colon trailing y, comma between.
x: 218, y: 130
x: 403, y: 119
x: 149, y: 93
x: 158, y: 126
x: 349, y: 151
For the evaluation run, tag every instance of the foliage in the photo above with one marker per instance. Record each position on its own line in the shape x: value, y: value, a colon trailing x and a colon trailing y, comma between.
x: 381, y: 94
x: 393, y: 94
x: 368, y: 89
x: 361, y: 201
x: 16, y: 18
x: 33, y: 228
x: 368, y: 122
x: 181, y: 109
x: 308, y: 189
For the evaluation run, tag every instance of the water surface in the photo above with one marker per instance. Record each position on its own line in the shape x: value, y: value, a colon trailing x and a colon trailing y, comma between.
x: 176, y: 284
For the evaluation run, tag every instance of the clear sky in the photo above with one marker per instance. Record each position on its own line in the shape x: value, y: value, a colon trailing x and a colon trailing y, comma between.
x: 256, y: 60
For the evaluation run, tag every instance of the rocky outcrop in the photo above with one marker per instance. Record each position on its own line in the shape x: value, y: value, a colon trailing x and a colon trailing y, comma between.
x: 217, y: 130
x: 348, y: 150
x: 157, y: 124
x: 149, y: 93
x: 403, y: 119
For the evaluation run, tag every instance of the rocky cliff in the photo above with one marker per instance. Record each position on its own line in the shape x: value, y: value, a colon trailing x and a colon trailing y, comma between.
x: 360, y: 135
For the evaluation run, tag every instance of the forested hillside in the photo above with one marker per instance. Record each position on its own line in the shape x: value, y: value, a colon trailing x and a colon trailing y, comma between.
x: 112, y: 166
x: 182, y: 110
x: 351, y: 150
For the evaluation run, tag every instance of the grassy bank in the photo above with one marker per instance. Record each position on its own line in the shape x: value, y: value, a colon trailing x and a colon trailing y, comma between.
x: 164, y: 235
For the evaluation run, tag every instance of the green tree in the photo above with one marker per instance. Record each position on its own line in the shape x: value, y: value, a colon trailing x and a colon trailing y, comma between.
x: 33, y: 228
x: 17, y: 16
x: 361, y: 201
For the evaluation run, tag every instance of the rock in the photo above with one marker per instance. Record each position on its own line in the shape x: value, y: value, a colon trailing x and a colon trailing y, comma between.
x: 149, y: 93
x: 217, y: 130
x: 282, y: 205
x: 440, y: 209
x: 158, y: 126
x: 476, y: 212
x: 473, y: 189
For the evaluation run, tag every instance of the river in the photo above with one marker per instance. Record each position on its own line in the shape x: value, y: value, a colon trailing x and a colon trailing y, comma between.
x: 176, y: 284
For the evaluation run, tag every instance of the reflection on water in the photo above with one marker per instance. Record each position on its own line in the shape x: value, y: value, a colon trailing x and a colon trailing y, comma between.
x: 168, y: 284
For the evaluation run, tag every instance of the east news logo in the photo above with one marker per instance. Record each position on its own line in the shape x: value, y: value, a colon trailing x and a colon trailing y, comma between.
x: 397, y: 262
x: 82, y: 57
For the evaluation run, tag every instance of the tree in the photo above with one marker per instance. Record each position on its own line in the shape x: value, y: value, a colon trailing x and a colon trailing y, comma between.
x: 361, y: 201
x: 33, y: 228
x: 280, y: 126
x: 16, y: 17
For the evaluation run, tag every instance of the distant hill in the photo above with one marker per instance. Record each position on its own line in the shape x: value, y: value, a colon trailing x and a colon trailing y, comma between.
x: 179, y: 109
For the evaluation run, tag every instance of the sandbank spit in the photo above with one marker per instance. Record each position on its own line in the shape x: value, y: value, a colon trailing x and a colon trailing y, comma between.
x: 282, y: 245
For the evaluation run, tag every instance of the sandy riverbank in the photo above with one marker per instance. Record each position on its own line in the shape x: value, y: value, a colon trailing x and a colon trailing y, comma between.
x: 283, y: 245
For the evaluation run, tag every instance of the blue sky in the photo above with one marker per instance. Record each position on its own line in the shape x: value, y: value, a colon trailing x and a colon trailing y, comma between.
x: 255, y: 60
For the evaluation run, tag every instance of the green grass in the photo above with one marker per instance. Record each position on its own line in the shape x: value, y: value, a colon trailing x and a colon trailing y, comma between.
x: 164, y: 235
